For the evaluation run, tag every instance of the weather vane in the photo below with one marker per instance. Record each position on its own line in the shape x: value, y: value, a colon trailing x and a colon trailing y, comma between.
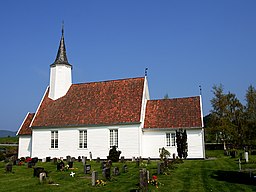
x: 146, y: 72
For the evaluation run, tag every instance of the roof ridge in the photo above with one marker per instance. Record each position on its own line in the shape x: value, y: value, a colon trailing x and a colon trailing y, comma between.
x: 109, y: 80
x: 175, y: 98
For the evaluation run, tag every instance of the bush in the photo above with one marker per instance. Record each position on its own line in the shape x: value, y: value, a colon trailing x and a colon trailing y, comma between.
x: 114, y: 154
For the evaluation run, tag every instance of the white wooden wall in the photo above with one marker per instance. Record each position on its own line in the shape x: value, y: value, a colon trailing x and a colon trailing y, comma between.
x: 153, y: 140
x: 97, y: 140
x: 24, y: 149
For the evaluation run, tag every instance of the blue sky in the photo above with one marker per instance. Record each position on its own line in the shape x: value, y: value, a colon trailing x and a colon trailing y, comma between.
x: 183, y: 43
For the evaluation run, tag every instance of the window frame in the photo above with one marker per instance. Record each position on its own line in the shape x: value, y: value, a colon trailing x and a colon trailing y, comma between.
x: 113, y: 138
x: 170, y: 139
x: 54, y: 139
x: 83, y: 139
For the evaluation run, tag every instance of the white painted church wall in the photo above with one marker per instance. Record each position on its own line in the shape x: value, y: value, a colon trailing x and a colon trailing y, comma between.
x: 153, y: 140
x: 24, y: 149
x: 98, y: 142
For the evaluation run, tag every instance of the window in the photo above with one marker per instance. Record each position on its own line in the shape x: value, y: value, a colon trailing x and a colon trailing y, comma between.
x: 54, y: 139
x: 113, y: 137
x: 170, y: 139
x: 83, y: 139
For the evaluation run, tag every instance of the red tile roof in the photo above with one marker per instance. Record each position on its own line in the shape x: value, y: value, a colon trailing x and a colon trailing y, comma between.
x: 173, y: 113
x: 25, y: 127
x: 98, y: 103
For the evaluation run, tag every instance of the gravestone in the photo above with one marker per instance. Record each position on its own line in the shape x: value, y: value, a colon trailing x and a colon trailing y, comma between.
x: 173, y: 156
x: 103, y: 164
x: 55, y: 160
x: 60, y: 166
x: 68, y: 158
x: 43, y: 160
x: 8, y: 168
x: 106, y: 173
x: 70, y: 164
x: 122, y: 159
x: 84, y: 160
x: 79, y: 159
x: 124, y: 168
x: 133, y: 158
x: 143, y: 180
x: 116, y: 171
x: 34, y: 160
x: 98, y: 160
x: 48, y: 159
x: 42, y: 177
x: 160, y: 167
x: 109, y: 164
x: 137, y: 162
x: 37, y: 171
x: 246, y: 157
x: 149, y: 161
x: 73, y: 159
x: 87, y: 169
x: 30, y: 164
x: 94, y: 177
x: 90, y: 153
x: 140, y: 158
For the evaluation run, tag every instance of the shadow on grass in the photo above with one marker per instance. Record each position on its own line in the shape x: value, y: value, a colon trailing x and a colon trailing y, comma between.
x: 234, y: 177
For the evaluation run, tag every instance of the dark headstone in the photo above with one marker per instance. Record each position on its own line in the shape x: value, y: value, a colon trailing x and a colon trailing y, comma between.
x: 149, y: 161
x: 34, y: 160
x: 55, y: 160
x: 137, y: 162
x: 90, y: 153
x: 70, y: 164
x: 87, y: 169
x: 160, y: 168
x: 68, y: 158
x: 98, y: 160
x: 106, y: 173
x: 109, y: 164
x: 48, y: 159
x: 122, y: 159
x: 143, y: 179
x: 103, y: 164
x: 8, y: 168
x: 124, y: 168
x: 116, y: 171
x: 37, y: 171
x: 79, y: 159
x: 30, y: 164
x: 60, y: 166
x: 173, y: 155
x: 73, y: 159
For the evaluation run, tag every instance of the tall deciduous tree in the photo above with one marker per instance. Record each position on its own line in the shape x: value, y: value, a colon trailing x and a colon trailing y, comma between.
x: 227, y: 116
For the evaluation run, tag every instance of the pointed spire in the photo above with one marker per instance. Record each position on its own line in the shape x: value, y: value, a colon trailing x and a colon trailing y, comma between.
x: 61, y: 57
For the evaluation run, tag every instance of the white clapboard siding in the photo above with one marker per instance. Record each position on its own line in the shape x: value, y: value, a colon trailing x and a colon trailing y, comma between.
x: 24, y: 146
x: 98, y: 141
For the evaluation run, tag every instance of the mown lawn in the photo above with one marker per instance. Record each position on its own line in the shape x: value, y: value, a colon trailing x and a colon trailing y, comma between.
x: 217, y: 173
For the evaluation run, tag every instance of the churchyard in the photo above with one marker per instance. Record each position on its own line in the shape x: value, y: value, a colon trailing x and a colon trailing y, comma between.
x: 216, y: 173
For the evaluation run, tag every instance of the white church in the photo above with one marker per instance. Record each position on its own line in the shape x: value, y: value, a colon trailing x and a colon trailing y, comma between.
x: 79, y: 119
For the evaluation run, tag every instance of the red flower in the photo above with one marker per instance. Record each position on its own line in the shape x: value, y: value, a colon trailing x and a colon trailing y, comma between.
x: 154, y: 177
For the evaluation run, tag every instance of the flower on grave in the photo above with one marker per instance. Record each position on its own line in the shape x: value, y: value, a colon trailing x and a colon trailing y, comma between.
x: 66, y: 167
x: 100, y: 182
x: 72, y: 174
x: 154, y: 181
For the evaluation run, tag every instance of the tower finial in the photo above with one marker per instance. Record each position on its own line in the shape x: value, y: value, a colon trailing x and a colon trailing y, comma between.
x: 146, y: 72
x: 62, y: 28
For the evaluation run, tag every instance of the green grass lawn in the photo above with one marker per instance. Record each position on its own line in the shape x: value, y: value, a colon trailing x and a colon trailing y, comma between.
x: 218, y: 173
x: 9, y: 139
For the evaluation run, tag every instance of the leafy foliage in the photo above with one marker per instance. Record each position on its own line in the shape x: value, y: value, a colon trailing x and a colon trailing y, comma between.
x: 114, y: 154
x: 164, y: 153
x: 182, y: 145
x: 230, y: 121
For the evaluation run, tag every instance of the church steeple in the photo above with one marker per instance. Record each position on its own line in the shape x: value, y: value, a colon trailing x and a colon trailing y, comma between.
x: 61, y: 57
x: 60, y: 72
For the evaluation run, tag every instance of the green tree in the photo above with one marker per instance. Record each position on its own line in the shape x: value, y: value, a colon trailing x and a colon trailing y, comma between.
x: 227, y: 116
x: 250, y: 114
x: 182, y: 145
